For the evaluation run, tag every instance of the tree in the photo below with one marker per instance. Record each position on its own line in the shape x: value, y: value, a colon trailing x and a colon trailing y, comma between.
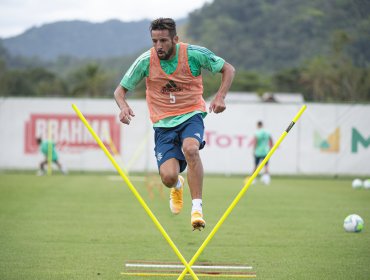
x: 13, y: 83
x: 88, y: 81
x: 31, y: 82
x: 287, y: 80
x: 335, y: 77
x: 270, y: 35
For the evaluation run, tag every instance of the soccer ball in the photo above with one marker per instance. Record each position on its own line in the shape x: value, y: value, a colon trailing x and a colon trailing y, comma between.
x: 356, y: 183
x: 367, y: 184
x: 353, y: 223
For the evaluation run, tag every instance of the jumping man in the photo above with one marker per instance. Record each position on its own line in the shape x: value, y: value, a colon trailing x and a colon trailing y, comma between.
x: 174, y: 94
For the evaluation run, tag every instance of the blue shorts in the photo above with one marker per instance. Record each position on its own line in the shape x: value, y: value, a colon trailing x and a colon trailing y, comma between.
x: 168, y: 141
x: 257, y: 160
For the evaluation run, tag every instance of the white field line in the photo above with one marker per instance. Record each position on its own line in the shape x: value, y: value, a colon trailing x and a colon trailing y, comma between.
x: 230, y: 267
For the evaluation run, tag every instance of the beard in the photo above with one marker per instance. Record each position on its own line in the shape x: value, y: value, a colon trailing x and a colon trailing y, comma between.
x: 166, y: 55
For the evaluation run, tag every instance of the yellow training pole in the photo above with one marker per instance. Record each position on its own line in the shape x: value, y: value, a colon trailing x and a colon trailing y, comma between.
x: 208, y: 275
x: 50, y: 150
x: 135, y: 192
x: 115, y: 151
x: 242, y: 192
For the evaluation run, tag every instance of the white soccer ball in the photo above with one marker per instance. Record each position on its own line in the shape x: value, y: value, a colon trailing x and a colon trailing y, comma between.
x: 356, y: 183
x: 367, y: 184
x: 353, y: 223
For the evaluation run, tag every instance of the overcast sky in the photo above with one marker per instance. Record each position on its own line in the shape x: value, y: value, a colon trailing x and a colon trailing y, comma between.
x: 18, y: 15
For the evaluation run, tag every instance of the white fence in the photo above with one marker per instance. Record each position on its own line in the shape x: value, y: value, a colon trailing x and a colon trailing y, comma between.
x: 328, y: 139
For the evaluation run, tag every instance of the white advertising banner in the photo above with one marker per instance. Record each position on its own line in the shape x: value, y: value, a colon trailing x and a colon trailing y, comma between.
x: 229, y: 135
x: 329, y: 139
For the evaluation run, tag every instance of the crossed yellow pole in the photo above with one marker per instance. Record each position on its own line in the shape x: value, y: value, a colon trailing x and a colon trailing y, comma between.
x: 242, y: 192
x: 224, y: 216
x: 135, y: 192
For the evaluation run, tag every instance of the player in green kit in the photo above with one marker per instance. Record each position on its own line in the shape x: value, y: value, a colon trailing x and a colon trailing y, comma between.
x: 44, y: 149
x: 174, y: 93
x: 262, y: 143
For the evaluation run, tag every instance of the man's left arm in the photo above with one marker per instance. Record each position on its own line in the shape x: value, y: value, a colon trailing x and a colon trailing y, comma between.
x: 218, y: 103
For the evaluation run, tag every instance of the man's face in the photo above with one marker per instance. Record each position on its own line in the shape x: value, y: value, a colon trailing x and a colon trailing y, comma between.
x: 164, y: 45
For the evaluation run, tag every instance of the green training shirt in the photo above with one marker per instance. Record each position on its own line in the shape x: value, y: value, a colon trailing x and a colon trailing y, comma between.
x: 262, y: 144
x: 198, y: 58
x: 44, y: 148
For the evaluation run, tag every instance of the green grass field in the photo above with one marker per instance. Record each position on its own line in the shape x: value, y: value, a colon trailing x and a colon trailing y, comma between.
x: 86, y: 226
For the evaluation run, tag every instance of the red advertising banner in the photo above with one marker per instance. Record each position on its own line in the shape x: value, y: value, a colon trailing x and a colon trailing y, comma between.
x: 69, y: 133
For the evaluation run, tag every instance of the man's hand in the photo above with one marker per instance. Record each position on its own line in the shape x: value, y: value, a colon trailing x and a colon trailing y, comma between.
x: 126, y: 114
x: 217, y: 105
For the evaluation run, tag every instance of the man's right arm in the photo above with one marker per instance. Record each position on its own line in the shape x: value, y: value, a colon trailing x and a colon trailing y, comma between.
x: 126, y: 112
x: 138, y: 70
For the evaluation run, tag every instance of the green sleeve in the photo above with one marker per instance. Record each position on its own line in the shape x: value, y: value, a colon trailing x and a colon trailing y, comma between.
x: 44, y: 147
x: 200, y: 57
x: 137, y: 71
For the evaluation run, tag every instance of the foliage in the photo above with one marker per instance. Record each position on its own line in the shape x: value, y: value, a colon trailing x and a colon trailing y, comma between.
x: 67, y: 76
x: 317, y: 48
x: 331, y: 78
x: 31, y: 82
x: 270, y: 35
x: 88, y: 81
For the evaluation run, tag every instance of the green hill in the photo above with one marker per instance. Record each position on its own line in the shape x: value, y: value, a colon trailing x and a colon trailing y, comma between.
x: 264, y: 35
x: 273, y: 34
x: 320, y: 48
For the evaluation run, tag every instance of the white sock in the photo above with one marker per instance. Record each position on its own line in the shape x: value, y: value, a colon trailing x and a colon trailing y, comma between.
x: 197, y: 205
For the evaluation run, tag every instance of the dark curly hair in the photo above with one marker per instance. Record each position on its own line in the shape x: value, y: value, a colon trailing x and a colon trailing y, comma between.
x: 164, y: 24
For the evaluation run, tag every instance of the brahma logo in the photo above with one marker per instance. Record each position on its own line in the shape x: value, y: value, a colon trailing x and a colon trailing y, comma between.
x: 69, y: 133
x: 330, y: 144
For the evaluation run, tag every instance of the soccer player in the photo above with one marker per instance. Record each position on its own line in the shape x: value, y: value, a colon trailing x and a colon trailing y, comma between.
x: 44, y: 149
x: 174, y: 94
x: 262, y: 144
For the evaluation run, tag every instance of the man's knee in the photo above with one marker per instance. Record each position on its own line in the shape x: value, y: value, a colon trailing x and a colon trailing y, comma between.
x: 191, y: 150
x: 169, y: 179
x: 169, y: 171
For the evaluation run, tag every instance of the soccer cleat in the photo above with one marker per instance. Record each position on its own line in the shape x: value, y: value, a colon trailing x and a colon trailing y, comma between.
x: 197, y: 221
x: 176, y: 197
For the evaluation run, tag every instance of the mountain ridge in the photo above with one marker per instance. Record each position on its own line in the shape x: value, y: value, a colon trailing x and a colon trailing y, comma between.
x: 82, y: 39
